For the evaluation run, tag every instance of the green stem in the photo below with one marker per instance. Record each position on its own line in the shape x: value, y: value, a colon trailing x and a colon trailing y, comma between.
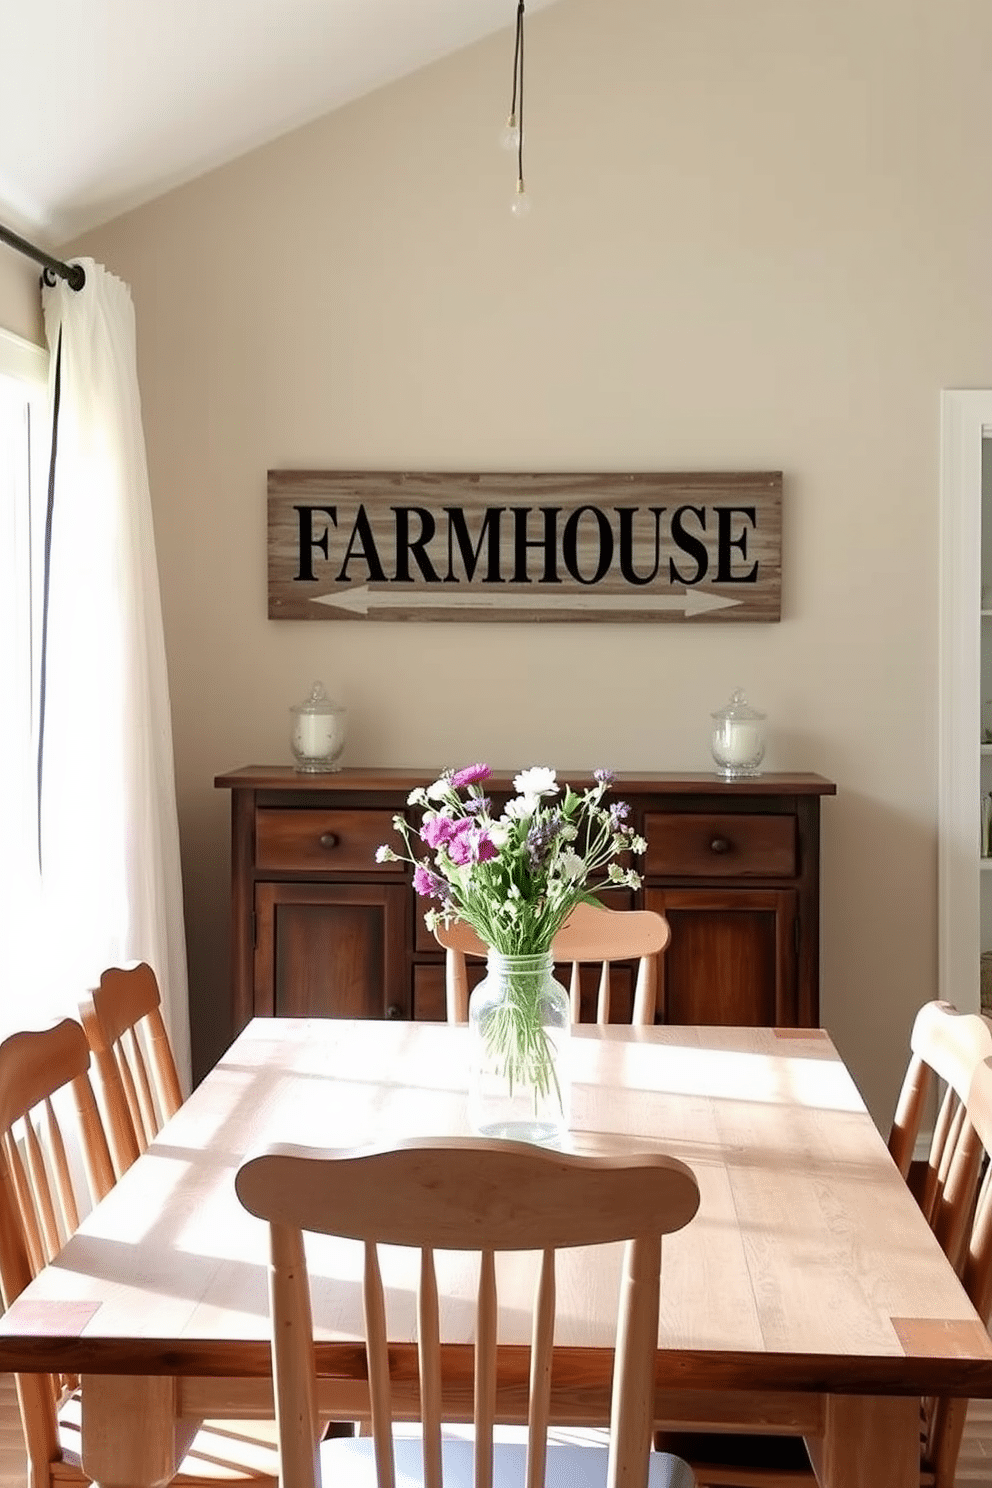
x: 515, y: 1035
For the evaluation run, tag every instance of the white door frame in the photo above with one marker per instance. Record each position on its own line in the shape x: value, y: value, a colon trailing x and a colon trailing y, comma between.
x: 965, y: 417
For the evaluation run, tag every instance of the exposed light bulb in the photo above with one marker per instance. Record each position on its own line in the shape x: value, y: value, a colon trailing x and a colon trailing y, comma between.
x: 510, y: 138
x: 520, y: 205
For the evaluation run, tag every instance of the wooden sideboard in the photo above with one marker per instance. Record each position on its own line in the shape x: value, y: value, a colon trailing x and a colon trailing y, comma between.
x: 320, y: 929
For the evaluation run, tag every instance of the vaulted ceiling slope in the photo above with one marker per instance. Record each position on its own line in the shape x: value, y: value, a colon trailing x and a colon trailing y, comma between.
x: 106, y: 104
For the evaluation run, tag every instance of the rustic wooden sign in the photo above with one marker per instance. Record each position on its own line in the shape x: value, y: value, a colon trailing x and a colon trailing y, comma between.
x: 374, y: 546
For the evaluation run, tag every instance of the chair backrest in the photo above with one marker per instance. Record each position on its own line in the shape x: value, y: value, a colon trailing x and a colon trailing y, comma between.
x: 944, y: 1417
x: 39, y: 1203
x: 136, y: 1072
x: 591, y: 933
x: 450, y: 1195
x: 946, y: 1045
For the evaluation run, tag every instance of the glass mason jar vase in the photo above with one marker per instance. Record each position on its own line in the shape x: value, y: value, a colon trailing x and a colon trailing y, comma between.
x: 519, y: 1027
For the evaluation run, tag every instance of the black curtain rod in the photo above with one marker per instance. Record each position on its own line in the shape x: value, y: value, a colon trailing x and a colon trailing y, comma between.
x: 74, y: 274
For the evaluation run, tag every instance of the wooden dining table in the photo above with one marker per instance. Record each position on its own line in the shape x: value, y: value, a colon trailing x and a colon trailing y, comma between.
x: 807, y: 1294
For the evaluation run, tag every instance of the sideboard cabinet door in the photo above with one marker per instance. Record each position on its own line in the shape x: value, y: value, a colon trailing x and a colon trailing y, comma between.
x: 732, y: 959
x: 331, y: 950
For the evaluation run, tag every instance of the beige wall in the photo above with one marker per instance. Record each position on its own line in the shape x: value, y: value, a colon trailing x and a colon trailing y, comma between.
x: 20, y: 299
x: 760, y: 239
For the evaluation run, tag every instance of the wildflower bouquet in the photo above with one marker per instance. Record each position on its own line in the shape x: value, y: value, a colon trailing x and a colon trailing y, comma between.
x: 515, y: 877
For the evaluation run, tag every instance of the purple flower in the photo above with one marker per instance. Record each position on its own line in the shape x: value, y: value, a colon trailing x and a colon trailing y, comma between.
x: 469, y: 775
x: 604, y: 777
x: 436, y: 829
x: 540, y: 838
x: 428, y: 884
x: 619, y: 812
x: 475, y: 804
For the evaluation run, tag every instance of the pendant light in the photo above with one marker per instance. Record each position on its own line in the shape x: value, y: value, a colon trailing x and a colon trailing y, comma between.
x: 513, y: 134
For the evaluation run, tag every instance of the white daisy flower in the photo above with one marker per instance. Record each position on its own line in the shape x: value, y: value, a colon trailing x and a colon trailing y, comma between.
x: 536, y: 782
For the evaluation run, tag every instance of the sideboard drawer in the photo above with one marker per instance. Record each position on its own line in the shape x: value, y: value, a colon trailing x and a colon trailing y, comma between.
x: 684, y: 844
x: 319, y: 841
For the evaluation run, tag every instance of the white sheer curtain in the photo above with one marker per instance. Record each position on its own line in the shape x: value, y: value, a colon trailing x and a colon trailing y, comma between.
x: 23, y: 371
x: 112, y: 888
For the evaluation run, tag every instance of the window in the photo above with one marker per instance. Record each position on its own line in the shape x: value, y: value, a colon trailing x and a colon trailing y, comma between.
x: 23, y: 371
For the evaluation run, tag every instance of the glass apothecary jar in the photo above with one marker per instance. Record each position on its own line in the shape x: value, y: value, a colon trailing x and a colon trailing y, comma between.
x: 317, y: 732
x: 738, y: 740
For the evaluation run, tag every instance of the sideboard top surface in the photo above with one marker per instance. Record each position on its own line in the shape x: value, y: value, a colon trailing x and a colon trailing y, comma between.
x: 285, y: 777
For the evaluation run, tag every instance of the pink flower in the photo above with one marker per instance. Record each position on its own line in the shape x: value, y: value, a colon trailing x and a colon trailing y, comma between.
x: 427, y: 883
x: 470, y: 845
x: 462, y: 847
x: 486, y: 849
x: 436, y: 829
x: 469, y: 776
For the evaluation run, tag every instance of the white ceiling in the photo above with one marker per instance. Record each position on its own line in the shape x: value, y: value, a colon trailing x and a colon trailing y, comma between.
x: 105, y: 104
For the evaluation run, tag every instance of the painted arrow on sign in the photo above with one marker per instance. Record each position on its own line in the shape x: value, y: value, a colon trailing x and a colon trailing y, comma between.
x: 360, y: 601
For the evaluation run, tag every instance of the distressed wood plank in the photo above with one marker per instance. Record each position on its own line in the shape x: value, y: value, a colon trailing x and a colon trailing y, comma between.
x: 348, y: 545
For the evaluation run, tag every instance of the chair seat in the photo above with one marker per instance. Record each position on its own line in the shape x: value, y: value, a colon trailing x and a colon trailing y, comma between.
x: 348, y: 1462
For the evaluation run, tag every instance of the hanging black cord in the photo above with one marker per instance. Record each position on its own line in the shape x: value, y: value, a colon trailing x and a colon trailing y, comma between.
x: 518, y: 88
x: 73, y: 274
x: 516, y: 56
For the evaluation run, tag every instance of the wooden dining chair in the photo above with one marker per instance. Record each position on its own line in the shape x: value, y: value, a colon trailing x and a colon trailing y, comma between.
x: 452, y: 1195
x: 592, y: 933
x: 946, y: 1046
x: 955, y: 1048
x: 136, y: 1073
x: 40, y: 1205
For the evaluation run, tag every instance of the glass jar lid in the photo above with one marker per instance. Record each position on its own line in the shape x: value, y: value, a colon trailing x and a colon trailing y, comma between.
x: 318, y: 702
x: 739, y: 709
